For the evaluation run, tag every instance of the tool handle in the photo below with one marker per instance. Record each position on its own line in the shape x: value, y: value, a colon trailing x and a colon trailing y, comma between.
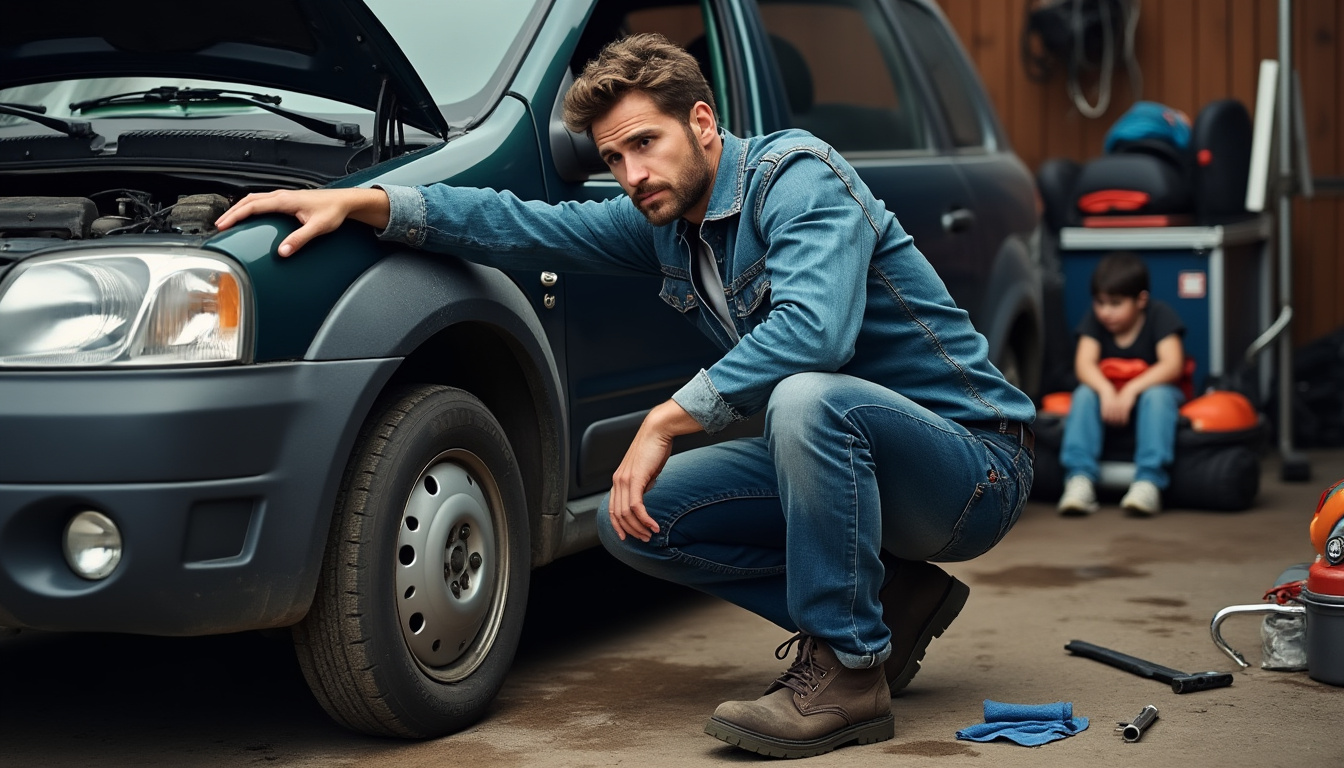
x: 1123, y: 661
x: 1201, y: 682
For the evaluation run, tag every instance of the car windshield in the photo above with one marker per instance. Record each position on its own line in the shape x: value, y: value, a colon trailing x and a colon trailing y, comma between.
x: 459, y: 48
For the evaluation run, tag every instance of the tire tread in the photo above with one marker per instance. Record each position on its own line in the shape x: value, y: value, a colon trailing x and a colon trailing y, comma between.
x: 331, y: 641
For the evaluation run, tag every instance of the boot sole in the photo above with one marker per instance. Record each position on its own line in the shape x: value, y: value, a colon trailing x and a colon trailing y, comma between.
x: 953, y: 601
x: 868, y: 732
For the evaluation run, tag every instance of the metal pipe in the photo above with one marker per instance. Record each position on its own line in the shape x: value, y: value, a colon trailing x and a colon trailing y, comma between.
x: 1283, y: 191
x: 1133, y: 730
x: 1216, y: 626
x: 1270, y: 335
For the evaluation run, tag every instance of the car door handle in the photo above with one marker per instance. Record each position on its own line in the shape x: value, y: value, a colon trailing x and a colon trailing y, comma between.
x: 958, y: 220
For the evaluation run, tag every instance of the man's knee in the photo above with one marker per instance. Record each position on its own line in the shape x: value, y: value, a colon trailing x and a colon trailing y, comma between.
x: 606, y: 533
x: 800, y: 390
x: 798, y: 402
x: 630, y: 549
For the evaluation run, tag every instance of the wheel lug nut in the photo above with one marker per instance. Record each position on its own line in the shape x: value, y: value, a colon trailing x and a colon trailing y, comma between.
x: 465, y: 532
x: 465, y: 578
x: 475, y: 560
x: 457, y: 591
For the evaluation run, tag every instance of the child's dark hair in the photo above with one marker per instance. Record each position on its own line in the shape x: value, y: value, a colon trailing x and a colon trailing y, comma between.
x: 1120, y: 274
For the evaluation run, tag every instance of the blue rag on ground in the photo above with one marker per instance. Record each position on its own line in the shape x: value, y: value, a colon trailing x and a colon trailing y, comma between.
x: 1027, y: 724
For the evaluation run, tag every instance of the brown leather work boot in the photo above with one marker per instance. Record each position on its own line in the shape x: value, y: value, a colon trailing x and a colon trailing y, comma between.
x: 918, y: 604
x: 814, y: 707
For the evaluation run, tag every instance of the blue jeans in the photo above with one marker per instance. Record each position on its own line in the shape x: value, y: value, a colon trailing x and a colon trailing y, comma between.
x: 1155, y: 416
x: 789, y: 525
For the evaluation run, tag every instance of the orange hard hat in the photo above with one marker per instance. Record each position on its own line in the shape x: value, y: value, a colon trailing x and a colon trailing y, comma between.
x: 1057, y: 403
x: 1220, y: 411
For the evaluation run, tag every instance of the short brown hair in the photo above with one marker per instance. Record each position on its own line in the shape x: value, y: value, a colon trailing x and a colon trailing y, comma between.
x: 647, y: 62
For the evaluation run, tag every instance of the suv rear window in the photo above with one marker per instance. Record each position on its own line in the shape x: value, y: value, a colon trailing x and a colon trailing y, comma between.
x: 953, y: 84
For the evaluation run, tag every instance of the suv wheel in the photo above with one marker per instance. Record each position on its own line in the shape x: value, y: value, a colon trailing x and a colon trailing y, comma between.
x: 424, y: 583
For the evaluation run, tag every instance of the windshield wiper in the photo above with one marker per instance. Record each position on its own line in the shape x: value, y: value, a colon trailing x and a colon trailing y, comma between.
x: 169, y: 94
x: 79, y: 129
x: 347, y: 132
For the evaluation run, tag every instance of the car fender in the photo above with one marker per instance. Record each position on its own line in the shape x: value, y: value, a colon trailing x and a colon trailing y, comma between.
x: 409, y: 297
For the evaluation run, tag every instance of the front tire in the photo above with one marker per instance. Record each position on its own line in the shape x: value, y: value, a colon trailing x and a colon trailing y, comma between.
x: 423, y: 589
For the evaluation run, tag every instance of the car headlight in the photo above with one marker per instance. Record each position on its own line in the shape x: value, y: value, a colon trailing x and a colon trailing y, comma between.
x: 124, y: 307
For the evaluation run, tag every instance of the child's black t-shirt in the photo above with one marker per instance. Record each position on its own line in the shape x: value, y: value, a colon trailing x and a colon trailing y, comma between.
x: 1160, y: 322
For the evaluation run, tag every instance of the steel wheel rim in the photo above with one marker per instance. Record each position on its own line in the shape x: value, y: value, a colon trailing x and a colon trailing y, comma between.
x: 451, y: 590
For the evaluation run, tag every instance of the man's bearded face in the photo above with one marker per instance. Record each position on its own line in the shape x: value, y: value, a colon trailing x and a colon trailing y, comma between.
x: 690, y: 184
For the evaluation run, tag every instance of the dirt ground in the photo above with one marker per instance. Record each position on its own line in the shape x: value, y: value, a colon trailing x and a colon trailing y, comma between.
x: 618, y: 670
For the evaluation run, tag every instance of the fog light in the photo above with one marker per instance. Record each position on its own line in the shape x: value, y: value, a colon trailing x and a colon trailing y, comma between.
x: 92, y: 544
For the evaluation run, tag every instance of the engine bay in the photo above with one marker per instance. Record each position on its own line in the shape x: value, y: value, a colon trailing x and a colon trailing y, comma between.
x: 148, y: 204
x: 128, y: 211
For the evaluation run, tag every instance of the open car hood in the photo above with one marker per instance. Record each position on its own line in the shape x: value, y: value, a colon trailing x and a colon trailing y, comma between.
x: 336, y: 49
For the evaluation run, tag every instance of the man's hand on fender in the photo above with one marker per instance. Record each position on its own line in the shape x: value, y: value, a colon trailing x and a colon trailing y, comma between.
x: 319, y: 211
x: 639, y: 469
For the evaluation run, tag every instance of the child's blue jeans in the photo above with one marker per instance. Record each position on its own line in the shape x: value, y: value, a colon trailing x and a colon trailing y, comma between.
x: 1155, y: 416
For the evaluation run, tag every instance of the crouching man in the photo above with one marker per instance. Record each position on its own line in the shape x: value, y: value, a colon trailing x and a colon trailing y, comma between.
x: 890, y: 440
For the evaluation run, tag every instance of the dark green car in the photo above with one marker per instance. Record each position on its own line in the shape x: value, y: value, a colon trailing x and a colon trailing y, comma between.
x: 368, y: 444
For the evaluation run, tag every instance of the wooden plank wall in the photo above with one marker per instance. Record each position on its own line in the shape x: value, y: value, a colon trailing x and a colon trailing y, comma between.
x: 1191, y: 52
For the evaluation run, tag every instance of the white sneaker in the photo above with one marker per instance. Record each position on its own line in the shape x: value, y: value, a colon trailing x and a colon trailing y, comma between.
x: 1079, y: 498
x: 1142, y: 498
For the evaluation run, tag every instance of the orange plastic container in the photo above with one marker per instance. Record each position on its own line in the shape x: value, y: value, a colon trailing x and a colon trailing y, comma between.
x: 1220, y: 411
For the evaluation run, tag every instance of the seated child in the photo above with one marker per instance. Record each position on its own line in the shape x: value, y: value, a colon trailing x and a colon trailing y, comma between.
x: 1124, y: 323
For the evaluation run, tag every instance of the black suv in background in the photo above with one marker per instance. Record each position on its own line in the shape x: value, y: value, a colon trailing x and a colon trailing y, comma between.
x: 368, y: 444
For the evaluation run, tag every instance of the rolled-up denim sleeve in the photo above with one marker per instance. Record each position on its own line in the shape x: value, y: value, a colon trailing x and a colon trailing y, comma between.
x: 702, y: 401
x: 406, y: 215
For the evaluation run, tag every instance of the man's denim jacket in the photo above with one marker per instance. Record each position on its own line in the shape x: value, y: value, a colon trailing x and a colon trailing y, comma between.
x: 817, y: 274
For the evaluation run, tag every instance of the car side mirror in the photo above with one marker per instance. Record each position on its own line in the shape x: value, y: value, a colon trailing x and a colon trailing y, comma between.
x: 575, y: 155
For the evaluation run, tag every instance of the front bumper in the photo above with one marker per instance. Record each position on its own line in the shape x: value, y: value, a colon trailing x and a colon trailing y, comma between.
x: 222, y: 482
